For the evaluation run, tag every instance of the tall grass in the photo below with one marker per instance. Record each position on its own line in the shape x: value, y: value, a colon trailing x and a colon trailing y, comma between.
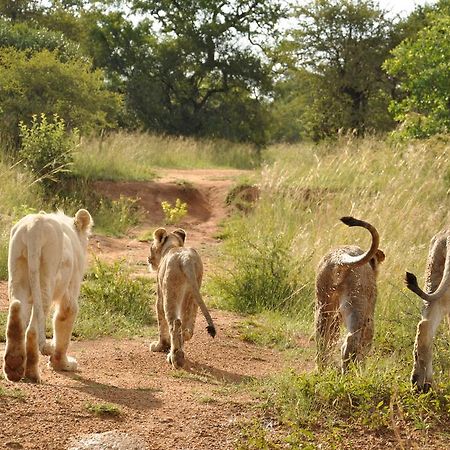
x: 134, y: 156
x: 403, y: 189
x: 18, y: 193
x: 114, y: 303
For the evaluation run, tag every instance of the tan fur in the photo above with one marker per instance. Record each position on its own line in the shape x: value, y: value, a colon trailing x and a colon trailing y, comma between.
x: 179, y: 277
x: 46, y: 263
x: 436, y: 305
x: 346, y: 292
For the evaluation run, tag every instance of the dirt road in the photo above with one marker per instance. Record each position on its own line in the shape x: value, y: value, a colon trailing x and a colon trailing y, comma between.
x: 197, y: 408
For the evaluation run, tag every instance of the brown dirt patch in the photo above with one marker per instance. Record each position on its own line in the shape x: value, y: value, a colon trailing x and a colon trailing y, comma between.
x: 198, y: 408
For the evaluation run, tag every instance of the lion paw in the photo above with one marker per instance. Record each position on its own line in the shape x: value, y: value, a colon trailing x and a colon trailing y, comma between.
x: 14, y: 366
x: 66, y: 363
x: 187, y: 334
x: 176, y: 358
x: 159, y: 346
x: 48, y: 349
x: 32, y: 374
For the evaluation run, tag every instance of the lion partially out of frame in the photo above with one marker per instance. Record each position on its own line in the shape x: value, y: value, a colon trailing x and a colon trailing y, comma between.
x: 179, y: 277
x: 46, y: 264
x: 436, y: 297
x: 346, y: 292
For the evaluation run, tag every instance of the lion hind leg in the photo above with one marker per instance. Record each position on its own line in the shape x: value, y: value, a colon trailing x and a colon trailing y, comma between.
x: 176, y: 354
x: 15, y: 353
x: 189, y: 315
x: 327, y: 323
x: 63, y: 321
x: 422, y: 374
x: 32, y: 348
x: 163, y: 344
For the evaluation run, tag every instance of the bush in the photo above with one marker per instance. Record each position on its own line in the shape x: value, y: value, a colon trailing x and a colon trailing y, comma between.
x: 40, y: 82
x: 47, y: 149
x: 114, y: 303
x: 115, y: 217
x: 263, y: 275
x: 422, y: 66
x: 174, y: 214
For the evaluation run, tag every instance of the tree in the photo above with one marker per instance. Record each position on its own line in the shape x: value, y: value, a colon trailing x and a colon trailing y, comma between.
x: 207, y: 55
x: 343, y: 45
x: 18, y: 10
x: 39, y: 82
x: 422, y: 65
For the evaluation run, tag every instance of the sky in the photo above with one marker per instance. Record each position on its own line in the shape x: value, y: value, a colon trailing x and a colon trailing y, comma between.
x: 403, y: 7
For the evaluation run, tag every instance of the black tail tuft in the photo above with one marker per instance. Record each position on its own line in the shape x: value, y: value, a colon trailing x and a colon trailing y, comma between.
x: 411, y: 281
x: 352, y: 222
x: 211, y: 330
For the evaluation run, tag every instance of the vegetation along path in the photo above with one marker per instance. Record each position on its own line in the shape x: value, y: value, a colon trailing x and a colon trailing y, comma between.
x: 120, y: 384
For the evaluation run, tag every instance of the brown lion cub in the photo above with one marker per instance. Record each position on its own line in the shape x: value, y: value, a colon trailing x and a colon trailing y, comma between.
x: 346, y: 292
x: 179, y: 277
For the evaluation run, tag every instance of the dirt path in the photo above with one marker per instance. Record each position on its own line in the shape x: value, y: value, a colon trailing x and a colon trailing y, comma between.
x: 197, y: 408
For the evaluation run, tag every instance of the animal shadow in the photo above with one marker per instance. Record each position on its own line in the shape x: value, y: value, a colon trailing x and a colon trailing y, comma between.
x: 213, y: 373
x: 138, y: 399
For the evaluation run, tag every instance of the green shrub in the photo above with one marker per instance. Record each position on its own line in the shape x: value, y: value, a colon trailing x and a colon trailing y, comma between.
x: 114, y: 303
x: 371, y: 397
x: 47, y: 148
x: 263, y: 273
x: 174, y: 214
x: 115, y: 217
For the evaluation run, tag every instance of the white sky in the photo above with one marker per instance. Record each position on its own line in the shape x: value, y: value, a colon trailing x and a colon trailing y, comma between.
x: 403, y: 7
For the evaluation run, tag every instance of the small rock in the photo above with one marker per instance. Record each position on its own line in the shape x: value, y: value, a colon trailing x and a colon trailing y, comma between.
x: 110, y: 440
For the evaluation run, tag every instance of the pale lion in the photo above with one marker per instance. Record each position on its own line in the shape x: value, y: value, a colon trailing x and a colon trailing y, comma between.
x: 179, y: 277
x: 46, y: 263
x: 436, y: 305
x: 346, y: 292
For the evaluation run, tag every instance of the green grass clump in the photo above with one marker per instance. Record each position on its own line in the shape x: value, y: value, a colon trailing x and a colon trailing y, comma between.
x: 13, y: 393
x: 273, y: 329
x: 262, y: 276
x: 112, y: 303
x: 104, y: 409
x: 377, y: 398
x: 116, y: 217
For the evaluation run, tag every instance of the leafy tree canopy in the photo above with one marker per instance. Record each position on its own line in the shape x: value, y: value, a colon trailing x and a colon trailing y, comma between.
x: 41, y: 82
x: 422, y: 65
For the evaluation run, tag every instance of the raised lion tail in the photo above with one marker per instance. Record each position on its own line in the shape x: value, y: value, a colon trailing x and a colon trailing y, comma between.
x: 360, y: 260
x: 15, y: 358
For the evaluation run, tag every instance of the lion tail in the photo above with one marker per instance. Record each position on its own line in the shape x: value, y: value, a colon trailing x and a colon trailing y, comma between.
x: 34, y: 263
x: 444, y: 285
x: 360, y: 260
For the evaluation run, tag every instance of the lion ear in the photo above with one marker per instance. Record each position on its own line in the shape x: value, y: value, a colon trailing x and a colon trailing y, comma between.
x: 159, y: 234
x: 181, y: 234
x: 380, y: 256
x: 83, y: 220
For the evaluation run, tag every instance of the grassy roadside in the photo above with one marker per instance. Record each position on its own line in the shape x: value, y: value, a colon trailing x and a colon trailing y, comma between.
x: 270, y: 257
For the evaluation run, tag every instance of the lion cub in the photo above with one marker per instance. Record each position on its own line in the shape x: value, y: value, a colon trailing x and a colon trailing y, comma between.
x: 346, y: 292
x: 179, y: 277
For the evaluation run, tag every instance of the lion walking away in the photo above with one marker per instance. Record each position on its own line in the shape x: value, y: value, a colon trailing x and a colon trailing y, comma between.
x: 179, y: 277
x: 436, y: 299
x: 346, y: 292
x: 46, y: 264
